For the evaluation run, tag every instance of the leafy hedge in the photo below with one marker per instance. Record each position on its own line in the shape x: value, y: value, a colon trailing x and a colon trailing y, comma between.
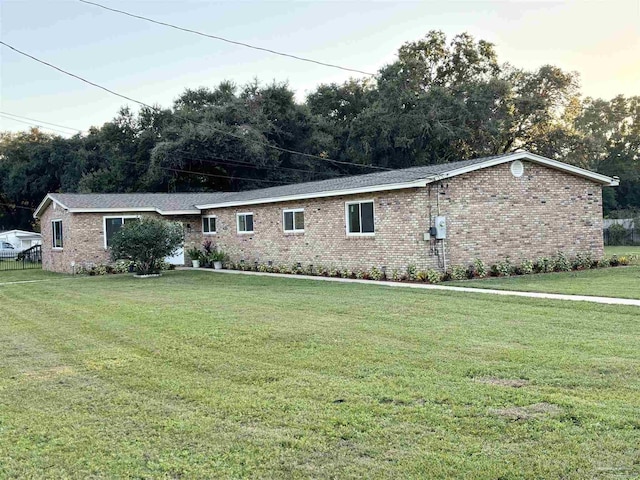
x: 559, y: 262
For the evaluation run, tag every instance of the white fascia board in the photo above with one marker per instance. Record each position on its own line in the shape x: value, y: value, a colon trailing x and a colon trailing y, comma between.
x: 45, y: 202
x: 306, y: 196
x: 565, y: 167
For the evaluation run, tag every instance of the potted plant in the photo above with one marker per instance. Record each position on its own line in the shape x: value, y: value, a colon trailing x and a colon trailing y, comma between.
x: 217, y: 258
x: 195, y: 255
x: 208, y: 248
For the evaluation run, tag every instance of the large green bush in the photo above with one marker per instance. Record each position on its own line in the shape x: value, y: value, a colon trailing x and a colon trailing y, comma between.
x: 147, y: 242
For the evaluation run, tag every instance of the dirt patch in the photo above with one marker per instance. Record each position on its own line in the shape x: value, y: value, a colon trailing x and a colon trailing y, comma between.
x: 536, y: 410
x: 503, y: 382
x: 48, y: 373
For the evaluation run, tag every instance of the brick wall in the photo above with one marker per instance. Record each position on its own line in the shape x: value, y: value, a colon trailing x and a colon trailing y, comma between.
x: 490, y: 214
x: 400, y: 220
x: 84, y: 237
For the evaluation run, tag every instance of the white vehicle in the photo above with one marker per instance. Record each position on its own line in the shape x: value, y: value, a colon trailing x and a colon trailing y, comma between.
x: 7, y: 251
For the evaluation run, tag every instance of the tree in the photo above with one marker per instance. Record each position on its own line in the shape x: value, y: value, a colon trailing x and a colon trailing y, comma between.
x: 147, y: 242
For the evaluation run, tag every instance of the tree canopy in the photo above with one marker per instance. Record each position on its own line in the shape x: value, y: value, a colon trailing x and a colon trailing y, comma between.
x: 441, y: 100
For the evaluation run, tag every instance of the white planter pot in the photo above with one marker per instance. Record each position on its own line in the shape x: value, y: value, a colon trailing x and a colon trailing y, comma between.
x: 196, y: 263
x: 217, y: 265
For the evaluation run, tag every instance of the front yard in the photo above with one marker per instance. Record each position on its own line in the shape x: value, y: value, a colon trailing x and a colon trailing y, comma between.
x: 621, y: 282
x: 197, y: 375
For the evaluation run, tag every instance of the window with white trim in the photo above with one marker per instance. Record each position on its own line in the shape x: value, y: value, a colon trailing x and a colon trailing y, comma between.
x: 209, y: 225
x: 359, y: 216
x: 56, y: 227
x: 112, y: 225
x: 245, y: 222
x: 293, y: 220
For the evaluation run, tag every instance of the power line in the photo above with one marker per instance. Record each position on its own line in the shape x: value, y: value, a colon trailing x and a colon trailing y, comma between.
x: 208, y: 158
x: 34, y: 125
x: 206, y: 174
x: 212, y: 159
x: 224, y: 132
x: 40, y: 121
x: 234, y: 42
x: 13, y: 205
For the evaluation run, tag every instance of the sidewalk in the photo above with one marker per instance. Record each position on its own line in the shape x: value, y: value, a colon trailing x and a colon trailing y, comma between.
x: 426, y: 286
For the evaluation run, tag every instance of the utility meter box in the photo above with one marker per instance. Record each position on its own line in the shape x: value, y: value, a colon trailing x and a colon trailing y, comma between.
x: 441, y: 228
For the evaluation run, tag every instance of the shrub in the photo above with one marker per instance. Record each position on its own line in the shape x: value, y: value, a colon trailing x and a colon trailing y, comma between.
x: 147, y: 242
x: 623, y: 260
x: 122, y: 266
x: 582, y: 261
x: 458, y: 273
x: 479, y: 268
x: 544, y: 265
x: 504, y: 268
x: 395, y: 275
x: 526, y: 267
x: 617, y: 234
x: 412, y: 272
x: 309, y: 270
x: 345, y: 273
x: 375, y: 273
x: 422, y: 276
x: 561, y: 262
x: 434, y: 276
x: 603, y: 263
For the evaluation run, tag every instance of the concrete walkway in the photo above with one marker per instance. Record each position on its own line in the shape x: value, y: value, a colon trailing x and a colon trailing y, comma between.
x: 426, y: 286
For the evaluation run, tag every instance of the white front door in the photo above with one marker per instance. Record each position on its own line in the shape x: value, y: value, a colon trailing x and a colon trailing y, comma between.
x: 177, y: 258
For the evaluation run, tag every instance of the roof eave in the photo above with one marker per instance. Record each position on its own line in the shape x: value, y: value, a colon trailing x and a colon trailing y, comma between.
x: 45, y: 203
x: 306, y: 196
x: 565, y: 167
x: 134, y: 209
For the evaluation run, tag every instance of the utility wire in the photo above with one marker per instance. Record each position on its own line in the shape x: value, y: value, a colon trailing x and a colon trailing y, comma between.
x: 40, y: 121
x: 212, y: 159
x: 224, y: 132
x: 34, y: 125
x: 13, y: 205
x: 216, y: 37
x: 206, y: 174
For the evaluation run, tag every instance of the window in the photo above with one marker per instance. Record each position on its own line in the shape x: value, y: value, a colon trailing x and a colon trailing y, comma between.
x: 7, y: 246
x: 245, y: 222
x: 56, y: 226
x: 360, y: 218
x: 293, y: 220
x: 112, y: 225
x: 209, y: 225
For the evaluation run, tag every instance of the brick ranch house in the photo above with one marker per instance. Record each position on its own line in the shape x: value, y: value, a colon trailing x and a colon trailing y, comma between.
x: 519, y: 205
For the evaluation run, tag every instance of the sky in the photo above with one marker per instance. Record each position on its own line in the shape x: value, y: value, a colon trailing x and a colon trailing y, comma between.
x: 598, y: 39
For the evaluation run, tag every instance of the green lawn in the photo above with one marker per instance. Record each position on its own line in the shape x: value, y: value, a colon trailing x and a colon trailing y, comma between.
x: 621, y: 282
x: 28, y: 274
x: 635, y: 250
x: 201, y: 375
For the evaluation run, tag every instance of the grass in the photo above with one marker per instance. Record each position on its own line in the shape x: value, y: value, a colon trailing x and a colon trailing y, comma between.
x: 621, y: 282
x: 633, y: 250
x: 201, y: 375
x: 28, y: 274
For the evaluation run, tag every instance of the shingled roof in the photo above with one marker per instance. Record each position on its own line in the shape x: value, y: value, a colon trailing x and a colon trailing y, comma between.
x: 186, y: 203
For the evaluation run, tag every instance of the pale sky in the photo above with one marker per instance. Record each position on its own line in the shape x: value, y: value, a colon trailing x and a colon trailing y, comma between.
x: 598, y: 39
